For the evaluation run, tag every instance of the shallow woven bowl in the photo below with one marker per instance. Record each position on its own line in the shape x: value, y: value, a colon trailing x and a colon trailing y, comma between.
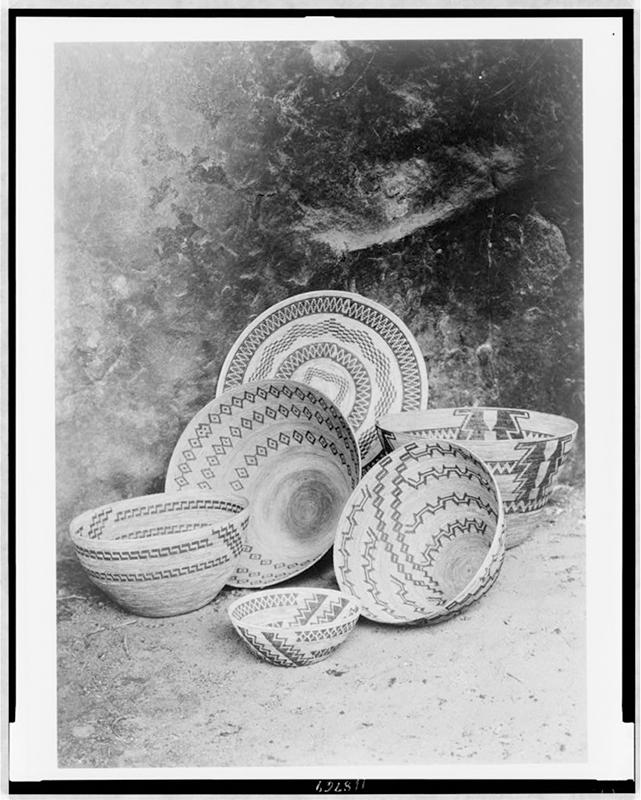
x: 422, y: 536
x: 162, y: 554
x: 523, y: 449
x: 294, y: 627
x: 290, y: 451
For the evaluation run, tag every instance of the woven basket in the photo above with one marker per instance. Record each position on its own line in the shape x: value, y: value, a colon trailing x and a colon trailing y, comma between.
x: 523, y: 449
x: 422, y: 535
x: 352, y: 349
x: 294, y: 627
x: 162, y: 554
x: 290, y: 451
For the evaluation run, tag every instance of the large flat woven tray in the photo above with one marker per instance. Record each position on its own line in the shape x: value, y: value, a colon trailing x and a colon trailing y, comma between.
x: 354, y: 350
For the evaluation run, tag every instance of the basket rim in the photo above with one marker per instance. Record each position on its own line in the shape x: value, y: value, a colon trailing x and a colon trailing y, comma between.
x: 238, y: 517
x: 386, y: 423
x: 355, y: 613
x: 496, y: 548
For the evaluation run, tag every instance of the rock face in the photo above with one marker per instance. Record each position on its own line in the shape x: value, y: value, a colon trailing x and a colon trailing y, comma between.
x: 197, y: 184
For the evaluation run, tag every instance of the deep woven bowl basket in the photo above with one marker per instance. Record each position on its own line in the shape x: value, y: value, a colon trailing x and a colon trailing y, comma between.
x: 524, y: 450
x: 162, y: 554
x: 294, y: 627
x: 422, y: 536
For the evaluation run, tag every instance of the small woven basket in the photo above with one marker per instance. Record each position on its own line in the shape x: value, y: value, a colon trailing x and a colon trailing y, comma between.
x: 162, y: 554
x: 294, y: 627
x: 524, y: 450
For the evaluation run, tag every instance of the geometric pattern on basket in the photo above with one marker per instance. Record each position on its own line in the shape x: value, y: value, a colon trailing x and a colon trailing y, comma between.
x: 105, y: 515
x: 524, y: 450
x: 283, y: 650
x: 147, y: 533
x: 174, y: 572
x: 265, y: 338
x: 226, y: 426
x: 475, y: 427
x: 328, y: 377
x: 320, y: 622
x: 228, y: 535
x: 484, y: 582
x: 258, y: 643
x: 216, y: 435
x: 307, y: 608
x: 357, y: 372
x: 131, y: 547
x: 451, y: 531
x: 262, y: 601
x: 377, y: 504
x: 313, y: 635
x: 285, y: 647
x: 331, y: 610
x: 346, y: 335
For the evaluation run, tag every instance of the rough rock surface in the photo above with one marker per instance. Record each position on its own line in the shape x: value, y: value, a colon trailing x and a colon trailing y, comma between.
x: 197, y: 184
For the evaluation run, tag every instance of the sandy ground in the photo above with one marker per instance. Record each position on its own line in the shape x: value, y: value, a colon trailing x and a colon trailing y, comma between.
x: 503, y: 682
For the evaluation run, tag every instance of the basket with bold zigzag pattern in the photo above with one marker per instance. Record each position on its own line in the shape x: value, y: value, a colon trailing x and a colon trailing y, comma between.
x: 422, y: 536
x: 524, y: 450
x: 294, y: 627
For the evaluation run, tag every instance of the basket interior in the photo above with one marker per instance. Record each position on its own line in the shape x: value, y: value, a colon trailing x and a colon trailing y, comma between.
x: 293, y: 609
x: 419, y: 531
x: 128, y: 521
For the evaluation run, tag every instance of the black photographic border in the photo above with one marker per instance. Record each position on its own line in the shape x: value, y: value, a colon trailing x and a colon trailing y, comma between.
x: 629, y: 488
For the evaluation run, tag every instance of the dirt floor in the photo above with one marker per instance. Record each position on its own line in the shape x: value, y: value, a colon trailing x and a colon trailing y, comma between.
x: 504, y: 682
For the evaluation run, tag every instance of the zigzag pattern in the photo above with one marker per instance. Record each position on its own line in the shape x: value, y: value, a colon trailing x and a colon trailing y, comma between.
x: 413, y: 389
x: 385, y: 529
x: 501, y: 467
x: 142, y: 577
x: 261, y: 647
x: 228, y: 536
x: 314, y: 635
x: 359, y: 375
x: 308, y: 608
x: 328, y: 377
x: 331, y: 611
x: 385, y: 387
x: 451, y: 531
x: 286, y: 649
x: 253, y: 604
x: 328, y: 304
x: 524, y: 506
x: 486, y: 581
